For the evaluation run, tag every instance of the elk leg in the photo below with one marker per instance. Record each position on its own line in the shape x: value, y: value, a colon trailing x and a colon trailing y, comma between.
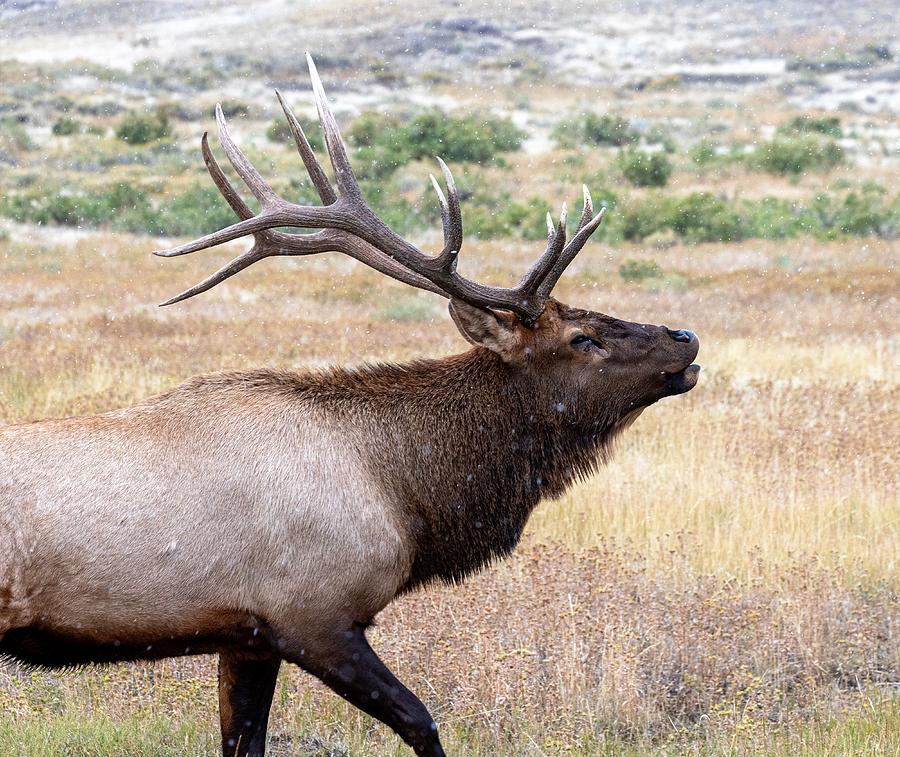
x: 246, y: 686
x: 349, y: 666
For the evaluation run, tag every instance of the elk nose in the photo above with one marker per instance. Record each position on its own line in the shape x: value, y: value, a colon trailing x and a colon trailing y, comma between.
x: 682, y: 335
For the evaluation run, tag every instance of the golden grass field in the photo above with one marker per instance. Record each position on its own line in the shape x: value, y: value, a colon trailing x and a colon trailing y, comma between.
x: 728, y: 584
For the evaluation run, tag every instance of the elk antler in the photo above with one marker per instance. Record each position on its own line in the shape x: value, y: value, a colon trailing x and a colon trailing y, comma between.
x: 347, y: 224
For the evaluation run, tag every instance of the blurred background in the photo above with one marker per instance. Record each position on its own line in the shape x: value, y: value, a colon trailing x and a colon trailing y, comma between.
x: 728, y: 584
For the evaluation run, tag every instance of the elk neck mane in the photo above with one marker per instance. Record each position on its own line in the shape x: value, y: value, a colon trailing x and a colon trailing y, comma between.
x: 465, y: 445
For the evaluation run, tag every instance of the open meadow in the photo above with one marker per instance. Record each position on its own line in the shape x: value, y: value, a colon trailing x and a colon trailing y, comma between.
x: 730, y: 582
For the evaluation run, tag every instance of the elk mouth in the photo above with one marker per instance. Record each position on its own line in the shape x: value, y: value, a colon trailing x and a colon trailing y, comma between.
x: 682, y: 381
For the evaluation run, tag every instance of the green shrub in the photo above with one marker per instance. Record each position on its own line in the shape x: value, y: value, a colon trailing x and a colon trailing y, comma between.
x: 774, y: 218
x: 65, y: 126
x: 379, y: 145
x: 703, y: 153
x: 302, y: 191
x: 141, y: 128
x: 591, y: 129
x: 505, y: 217
x: 199, y: 210
x: 846, y: 210
x: 796, y: 155
x: 86, y: 208
x: 660, y: 135
x: 866, y: 211
x: 527, y: 220
x: 383, y: 144
x: 380, y: 161
x: 607, y: 130
x: 279, y: 131
x: 108, y: 205
x: 470, y: 139
x: 830, y: 126
x: 639, y: 270
x: 701, y: 217
x: 697, y: 217
x: 863, y: 211
x: 368, y: 129
x: 644, y: 169
x: 641, y: 219
x: 149, y: 73
x: 490, y: 214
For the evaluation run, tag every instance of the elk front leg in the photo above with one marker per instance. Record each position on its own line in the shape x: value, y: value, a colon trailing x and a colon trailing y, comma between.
x: 246, y: 686
x: 346, y: 663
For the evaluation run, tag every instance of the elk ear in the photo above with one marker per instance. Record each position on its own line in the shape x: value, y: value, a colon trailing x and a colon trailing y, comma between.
x: 485, y: 328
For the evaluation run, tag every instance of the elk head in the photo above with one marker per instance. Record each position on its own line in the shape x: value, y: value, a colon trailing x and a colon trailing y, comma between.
x: 583, y: 360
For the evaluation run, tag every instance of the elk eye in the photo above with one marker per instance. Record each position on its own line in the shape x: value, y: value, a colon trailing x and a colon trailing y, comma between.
x: 582, y: 340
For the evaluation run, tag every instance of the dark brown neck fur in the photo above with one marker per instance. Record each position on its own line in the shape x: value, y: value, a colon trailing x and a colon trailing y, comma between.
x: 467, y: 446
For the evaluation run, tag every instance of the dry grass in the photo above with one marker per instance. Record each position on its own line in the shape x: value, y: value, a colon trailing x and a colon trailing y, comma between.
x: 727, y: 585
x: 550, y: 653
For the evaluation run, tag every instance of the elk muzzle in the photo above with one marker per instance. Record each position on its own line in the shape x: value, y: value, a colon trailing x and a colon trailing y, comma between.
x: 684, y: 379
x: 682, y: 335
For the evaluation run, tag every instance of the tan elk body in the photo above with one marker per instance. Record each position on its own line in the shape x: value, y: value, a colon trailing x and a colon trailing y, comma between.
x: 268, y: 516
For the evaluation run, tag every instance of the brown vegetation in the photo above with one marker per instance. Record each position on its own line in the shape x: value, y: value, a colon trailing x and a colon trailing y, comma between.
x: 728, y: 575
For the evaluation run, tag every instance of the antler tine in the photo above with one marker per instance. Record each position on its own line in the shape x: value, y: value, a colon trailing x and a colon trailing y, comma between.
x: 337, y: 152
x: 456, y: 238
x: 451, y: 221
x: 313, y: 167
x: 275, y: 243
x: 568, y: 255
x: 448, y: 255
x: 221, y: 181
x: 252, y: 178
x: 542, y: 266
x: 442, y: 201
x: 229, y: 233
x: 588, y: 211
x: 226, y: 271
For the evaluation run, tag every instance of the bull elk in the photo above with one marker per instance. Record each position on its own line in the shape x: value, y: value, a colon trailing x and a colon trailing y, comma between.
x: 269, y: 515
